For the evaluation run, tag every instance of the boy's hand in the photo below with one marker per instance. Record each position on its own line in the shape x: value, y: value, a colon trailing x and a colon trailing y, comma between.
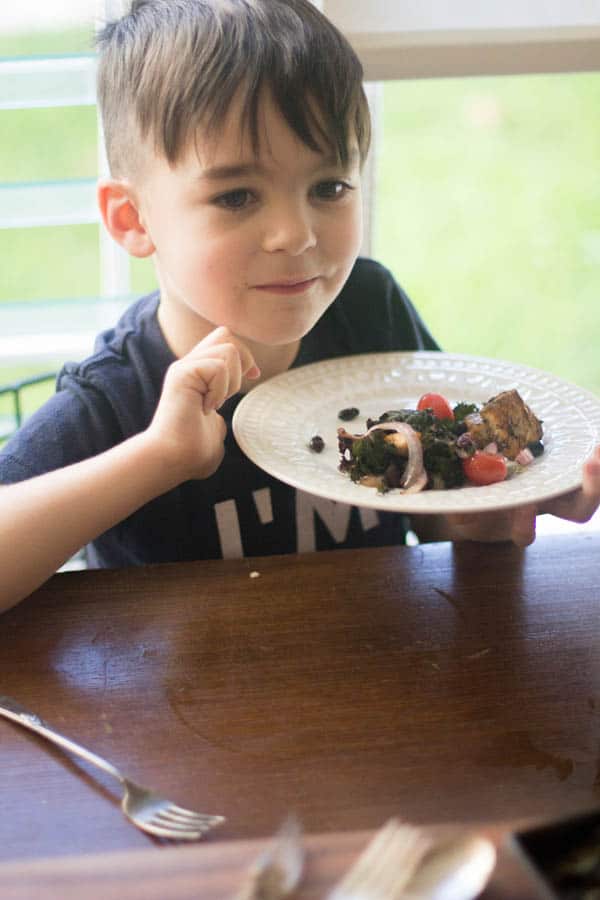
x: 186, y: 424
x: 518, y: 525
x: 580, y: 505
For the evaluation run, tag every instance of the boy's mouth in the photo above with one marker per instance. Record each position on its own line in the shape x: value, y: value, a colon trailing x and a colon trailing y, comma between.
x: 288, y: 286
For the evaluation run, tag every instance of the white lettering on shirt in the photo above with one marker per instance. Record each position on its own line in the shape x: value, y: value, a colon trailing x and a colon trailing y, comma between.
x: 264, y: 507
x: 335, y: 516
x: 228, y: 525
x: 368, y: 518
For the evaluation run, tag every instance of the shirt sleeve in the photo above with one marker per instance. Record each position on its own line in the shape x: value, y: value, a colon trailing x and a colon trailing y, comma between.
x: 72, y: 425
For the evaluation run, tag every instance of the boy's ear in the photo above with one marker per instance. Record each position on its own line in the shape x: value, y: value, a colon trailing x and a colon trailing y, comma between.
x: 121, y: 216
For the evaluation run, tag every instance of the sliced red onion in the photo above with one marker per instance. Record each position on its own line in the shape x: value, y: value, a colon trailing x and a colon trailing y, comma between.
x: 415, y: 476
x: 524, y: 457
x: 417, y: 485
x: 491, y: 448
x: 465, y: 446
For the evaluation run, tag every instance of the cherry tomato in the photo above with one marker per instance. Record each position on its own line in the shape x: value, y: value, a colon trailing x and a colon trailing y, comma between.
x: 485, y: 468
x: 438, y: 404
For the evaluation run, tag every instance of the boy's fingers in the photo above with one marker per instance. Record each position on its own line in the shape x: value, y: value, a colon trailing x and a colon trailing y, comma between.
x: 222, y: 336
x: 577, y: 506
x: 580, y: 506
x: 215, y: 375
x: 230, y: 356
x: 517, y: 525
x: 522, y: 530
x: 217, y: 372
x: 478, y: 526
x: 209, y: 378
x: 591, y: 478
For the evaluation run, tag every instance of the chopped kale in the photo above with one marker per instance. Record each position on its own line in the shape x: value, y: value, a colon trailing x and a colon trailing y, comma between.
x: 441, y: 463
x: 420, y: 420
x: 461, y: 410
x: 392, y: 476
x: 445, y: 443
x: 373, y: 456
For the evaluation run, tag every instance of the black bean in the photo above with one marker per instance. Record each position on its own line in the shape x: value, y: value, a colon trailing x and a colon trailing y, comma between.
x: 536, y: 447
x: 316, y: 443
x: 349, y: 413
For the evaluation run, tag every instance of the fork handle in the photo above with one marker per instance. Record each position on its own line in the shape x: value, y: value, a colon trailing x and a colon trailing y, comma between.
x: 10, y: 709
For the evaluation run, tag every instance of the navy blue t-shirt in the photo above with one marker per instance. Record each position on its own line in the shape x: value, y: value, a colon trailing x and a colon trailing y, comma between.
x: 240, y: 510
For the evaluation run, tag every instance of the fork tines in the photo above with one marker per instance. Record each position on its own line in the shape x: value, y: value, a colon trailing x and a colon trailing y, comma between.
x: 180, y: 824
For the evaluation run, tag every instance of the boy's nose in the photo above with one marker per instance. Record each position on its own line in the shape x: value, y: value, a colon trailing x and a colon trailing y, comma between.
x: 290, y: 230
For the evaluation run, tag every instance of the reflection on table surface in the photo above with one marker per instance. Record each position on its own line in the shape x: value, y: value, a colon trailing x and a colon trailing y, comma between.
x: 441, y: 683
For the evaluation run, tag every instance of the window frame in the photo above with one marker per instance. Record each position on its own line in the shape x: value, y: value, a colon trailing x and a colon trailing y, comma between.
x: 431, y: 38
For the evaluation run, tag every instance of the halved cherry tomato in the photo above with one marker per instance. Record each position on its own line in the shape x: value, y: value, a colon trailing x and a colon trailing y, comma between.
x: 485, y: 468
x: 438, y: 404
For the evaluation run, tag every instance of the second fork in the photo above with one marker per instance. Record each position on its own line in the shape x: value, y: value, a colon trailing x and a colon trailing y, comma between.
x: 147, y: 810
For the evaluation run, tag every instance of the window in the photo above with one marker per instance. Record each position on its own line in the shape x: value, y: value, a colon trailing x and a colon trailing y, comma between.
x: 488, y: 209
x: 449, y: 194
x: 63, y: 280
x: 488, y: 213
x: 486, y: 203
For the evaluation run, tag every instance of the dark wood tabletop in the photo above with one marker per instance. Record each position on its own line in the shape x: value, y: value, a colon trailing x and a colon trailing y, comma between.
x: 441, y: 683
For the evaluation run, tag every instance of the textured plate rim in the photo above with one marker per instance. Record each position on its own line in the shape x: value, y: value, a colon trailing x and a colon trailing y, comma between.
x: 260, y: 411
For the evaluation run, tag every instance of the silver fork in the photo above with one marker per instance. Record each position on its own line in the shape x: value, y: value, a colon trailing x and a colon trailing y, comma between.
x: 277, y: 871
x: 143, y: 807
x: 385, y: 867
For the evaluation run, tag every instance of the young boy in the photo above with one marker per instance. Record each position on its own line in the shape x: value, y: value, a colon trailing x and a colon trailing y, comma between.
x: 235, y: 131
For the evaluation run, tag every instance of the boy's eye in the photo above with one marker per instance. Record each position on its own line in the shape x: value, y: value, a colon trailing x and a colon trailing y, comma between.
x: 240, y: 198
x: 332, y: 190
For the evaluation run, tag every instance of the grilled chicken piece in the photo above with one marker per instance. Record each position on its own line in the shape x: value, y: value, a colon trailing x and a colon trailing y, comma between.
x: 507, y: 421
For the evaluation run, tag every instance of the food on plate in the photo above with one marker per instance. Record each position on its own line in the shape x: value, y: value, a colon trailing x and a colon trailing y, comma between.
x: 438, y: 405
x: 438, y: 446
x: 485, y: 468
x: 349, y: 413
x: 316, y: 443
x: 507, y: 421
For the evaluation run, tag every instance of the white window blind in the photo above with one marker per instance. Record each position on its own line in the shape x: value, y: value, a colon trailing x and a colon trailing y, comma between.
x: 37, y: 83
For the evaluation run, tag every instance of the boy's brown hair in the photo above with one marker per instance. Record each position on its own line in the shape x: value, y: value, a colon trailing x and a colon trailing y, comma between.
x: 170, y: 67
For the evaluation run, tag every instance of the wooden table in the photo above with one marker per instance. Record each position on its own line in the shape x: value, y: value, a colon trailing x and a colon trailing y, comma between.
x: 441, y: 683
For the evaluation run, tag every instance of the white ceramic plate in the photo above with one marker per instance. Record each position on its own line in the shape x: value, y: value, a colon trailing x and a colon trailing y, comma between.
x: 274, y: 423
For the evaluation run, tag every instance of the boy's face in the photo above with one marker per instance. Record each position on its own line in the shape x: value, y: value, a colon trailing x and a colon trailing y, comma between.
x: 259, y: 243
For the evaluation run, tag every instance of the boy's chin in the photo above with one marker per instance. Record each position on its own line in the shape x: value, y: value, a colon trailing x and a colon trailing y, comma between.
x: 270, y: 336
x: 283, y: 339
x: 291, y: 332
